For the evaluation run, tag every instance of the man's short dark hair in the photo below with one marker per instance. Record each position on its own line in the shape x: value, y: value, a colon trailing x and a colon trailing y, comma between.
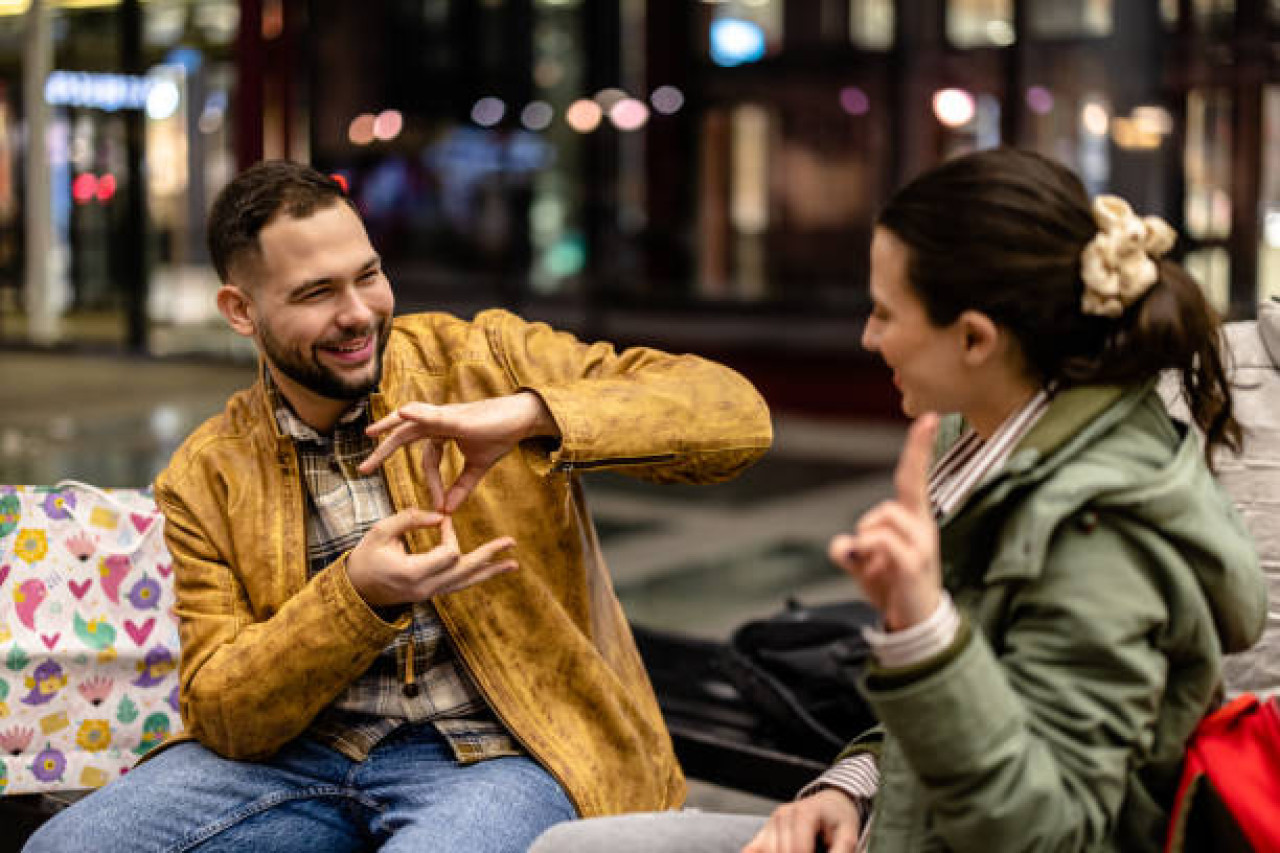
x: 256, y: 196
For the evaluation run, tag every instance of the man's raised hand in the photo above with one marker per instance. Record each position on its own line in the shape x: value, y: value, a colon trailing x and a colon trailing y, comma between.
x: 484, y: 431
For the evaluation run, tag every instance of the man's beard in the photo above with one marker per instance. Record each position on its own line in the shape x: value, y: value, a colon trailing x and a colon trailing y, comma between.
x: 308, y: 372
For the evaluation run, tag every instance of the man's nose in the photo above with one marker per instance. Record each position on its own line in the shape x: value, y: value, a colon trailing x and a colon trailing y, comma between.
x: 353, y: 311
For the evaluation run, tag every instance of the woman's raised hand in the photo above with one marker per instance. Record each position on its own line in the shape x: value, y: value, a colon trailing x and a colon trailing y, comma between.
x: 893, y: 553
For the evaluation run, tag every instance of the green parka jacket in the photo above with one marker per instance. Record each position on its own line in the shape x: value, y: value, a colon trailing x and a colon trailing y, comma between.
x: 1101, y: 573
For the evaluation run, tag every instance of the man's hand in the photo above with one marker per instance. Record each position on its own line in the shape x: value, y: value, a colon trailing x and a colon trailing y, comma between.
x: 385, y: 574
x: 894, y: 552
x: 830, y: 814
x: 484, y: 432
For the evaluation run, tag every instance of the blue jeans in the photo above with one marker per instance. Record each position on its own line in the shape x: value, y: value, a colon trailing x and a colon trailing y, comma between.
x: 408, y: 795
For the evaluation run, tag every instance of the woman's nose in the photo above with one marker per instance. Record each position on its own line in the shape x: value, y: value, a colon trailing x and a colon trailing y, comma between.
x: 870, y: 337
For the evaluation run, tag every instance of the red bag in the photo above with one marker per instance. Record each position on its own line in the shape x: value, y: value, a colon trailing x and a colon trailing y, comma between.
x: 1230, y: 789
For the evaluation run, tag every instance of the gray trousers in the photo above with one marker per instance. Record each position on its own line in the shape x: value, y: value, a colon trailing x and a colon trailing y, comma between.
x: 655, y: 832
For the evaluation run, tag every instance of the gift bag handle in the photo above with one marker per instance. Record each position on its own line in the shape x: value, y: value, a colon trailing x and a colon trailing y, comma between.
x: 115, y: 503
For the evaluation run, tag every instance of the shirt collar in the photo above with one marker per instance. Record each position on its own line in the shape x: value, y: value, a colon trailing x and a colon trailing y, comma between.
x: 971, y: 459
x: 297, y: 429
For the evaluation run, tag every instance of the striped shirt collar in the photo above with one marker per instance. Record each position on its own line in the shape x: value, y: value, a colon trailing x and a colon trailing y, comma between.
x: 971, y: 459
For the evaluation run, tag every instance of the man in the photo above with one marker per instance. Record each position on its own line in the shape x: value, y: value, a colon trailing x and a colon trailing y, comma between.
x: 371, y: 660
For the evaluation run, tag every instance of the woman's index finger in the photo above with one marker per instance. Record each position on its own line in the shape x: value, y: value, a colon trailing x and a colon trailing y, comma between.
x: 911, y: 479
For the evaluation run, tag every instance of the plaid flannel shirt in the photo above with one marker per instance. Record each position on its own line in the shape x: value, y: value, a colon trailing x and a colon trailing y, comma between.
x: 342, y: 504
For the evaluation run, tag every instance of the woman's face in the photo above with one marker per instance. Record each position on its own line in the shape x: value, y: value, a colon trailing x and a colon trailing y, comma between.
x: 927, y: 360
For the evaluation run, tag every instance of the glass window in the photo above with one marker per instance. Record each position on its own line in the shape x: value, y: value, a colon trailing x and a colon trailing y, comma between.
x: 1213, y: 15
x: 1069, y: 18
x: 1207, y: 162
x: 1093, y: 149
x: 871, y: 23
x: 734, y: 202
x: 1212, y: 268
x: 1269, y: 250
x: 980, y: 23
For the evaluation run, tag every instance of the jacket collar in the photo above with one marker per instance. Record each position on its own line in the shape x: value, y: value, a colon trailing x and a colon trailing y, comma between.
x: 1075, y: 419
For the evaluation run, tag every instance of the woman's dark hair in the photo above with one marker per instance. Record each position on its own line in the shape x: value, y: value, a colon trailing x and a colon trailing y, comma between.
x: 1001, y: 232
x: 255, y: 197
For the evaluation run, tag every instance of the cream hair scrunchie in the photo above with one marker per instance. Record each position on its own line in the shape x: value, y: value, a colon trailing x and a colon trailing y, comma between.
x: 1118, y: 266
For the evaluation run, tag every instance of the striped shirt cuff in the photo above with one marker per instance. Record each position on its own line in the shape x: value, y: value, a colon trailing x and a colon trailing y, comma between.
x: 857, y: 776
x: 898, y: 649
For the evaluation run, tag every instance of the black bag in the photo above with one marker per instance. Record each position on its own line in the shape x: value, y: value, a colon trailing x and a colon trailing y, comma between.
x: 799, y: 669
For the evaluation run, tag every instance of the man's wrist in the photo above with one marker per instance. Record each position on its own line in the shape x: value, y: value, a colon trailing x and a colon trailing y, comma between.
x: 541, y: 422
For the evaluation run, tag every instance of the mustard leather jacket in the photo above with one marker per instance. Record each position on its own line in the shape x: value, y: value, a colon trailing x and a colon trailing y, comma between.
x: 265, y: 647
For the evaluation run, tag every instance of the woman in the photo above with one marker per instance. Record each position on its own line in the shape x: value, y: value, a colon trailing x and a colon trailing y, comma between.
x: 1058, y: 589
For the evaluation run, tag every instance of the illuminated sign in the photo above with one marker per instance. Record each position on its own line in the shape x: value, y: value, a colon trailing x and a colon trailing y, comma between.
x: 110, y: 92
x: 735, y: 41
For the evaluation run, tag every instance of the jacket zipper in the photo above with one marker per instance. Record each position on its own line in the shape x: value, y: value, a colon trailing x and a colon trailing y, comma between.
x: 621, y: 460
x: 393, y: 484
x: 506, y: 724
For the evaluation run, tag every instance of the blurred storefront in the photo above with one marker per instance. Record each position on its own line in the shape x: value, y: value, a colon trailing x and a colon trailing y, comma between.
x: 136, y: 100
x: 703, y: 173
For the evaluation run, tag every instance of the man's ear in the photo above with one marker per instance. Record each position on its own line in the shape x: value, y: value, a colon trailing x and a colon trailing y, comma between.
x: 237, y: 307
x: 980, y: 336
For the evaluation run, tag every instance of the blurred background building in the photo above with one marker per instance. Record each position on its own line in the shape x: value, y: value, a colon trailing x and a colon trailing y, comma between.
x: 701, y: 174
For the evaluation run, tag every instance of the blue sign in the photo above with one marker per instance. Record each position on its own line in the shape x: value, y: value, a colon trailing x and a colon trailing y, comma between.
x: 110, y: 92
x: 735, y: 41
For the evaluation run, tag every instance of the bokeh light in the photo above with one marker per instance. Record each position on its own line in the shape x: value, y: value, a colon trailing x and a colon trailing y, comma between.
x: 84, y: 187
x: 488, y: 111
x: 667, y: 100
x: 953, y: 107
x: 854, y: 101
x: 1095, y: 119
x: 583, y: 115
x: 735, y: 41
x: 1040, y: 100
x: 388, y: 124
x: 360, y: 132
x: 606, y: 98
x: 536, y: 115
x: 629, y: 114
x: 106, y: 187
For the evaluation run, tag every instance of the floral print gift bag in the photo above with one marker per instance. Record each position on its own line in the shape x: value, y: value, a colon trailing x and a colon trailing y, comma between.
x: 88, y: 640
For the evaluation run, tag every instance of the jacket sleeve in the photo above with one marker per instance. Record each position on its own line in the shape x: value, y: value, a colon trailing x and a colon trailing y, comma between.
x: 669, y: 418
x: 248, y: 686
x: 1031, y: 749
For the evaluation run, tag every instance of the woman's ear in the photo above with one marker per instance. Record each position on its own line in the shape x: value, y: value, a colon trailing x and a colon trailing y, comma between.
x: 237, y: 307
x: 980, y: 337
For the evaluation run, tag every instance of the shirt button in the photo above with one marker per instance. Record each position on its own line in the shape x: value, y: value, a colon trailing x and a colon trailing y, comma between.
x: 410, y: 690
